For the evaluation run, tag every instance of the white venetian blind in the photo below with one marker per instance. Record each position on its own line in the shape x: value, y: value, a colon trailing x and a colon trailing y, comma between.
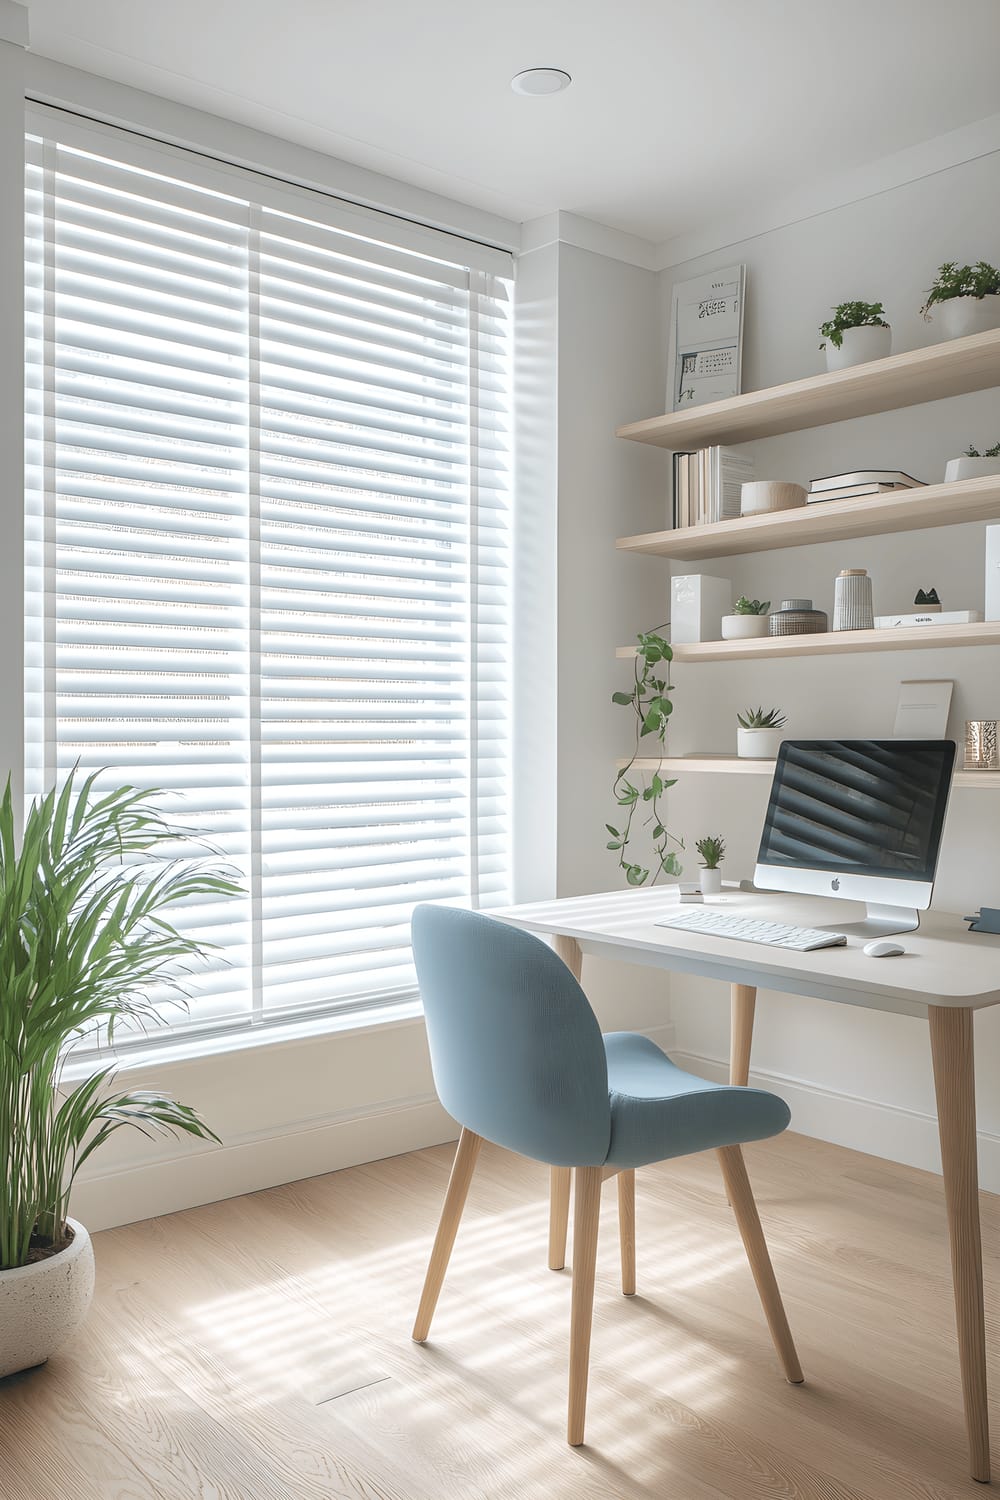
x: 269, y: 536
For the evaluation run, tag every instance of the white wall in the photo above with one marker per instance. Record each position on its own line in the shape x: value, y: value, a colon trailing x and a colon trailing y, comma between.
x: 860, y: 1078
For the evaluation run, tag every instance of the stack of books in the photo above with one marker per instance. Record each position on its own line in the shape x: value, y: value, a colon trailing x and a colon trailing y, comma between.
x: 860, y: 482
x: 707, y: 485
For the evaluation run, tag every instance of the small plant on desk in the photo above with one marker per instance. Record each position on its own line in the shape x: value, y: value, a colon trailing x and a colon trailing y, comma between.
x: 651, y: 708
x: 712, y: 849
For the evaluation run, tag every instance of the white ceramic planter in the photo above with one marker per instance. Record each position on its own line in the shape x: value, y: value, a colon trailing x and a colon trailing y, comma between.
x: 967, y: 468
x: 760, y: 495
x: 960, y: 316
x: 711, y: 881
x: 743, y: 627
x: 858, y: 346
x: 757, y: 744
x: 42, y: 1304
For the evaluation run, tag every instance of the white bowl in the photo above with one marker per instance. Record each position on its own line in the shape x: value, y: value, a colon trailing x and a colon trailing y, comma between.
x: 959, y: 316
x: 859, y: 346
x: 970, y: 468
x: 743, y: 627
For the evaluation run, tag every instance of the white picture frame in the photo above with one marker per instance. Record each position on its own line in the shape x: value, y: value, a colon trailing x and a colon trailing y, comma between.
x: 706, y: 338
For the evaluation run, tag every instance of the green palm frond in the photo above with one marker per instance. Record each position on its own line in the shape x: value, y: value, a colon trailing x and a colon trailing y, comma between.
x: 87, y: 893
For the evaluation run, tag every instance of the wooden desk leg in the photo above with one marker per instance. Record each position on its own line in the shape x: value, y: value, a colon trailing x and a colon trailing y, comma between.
x: 568, y: 950
x: 954, y: 1084
x: 743, y: 1004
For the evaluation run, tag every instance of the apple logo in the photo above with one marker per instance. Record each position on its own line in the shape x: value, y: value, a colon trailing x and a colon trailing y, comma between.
x: 835, y: 884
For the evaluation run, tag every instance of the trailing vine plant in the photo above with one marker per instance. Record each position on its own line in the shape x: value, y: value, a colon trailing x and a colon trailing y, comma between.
x: 651, y: 708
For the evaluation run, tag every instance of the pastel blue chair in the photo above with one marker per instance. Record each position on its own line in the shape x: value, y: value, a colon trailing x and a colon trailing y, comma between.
x: 519, y: 1060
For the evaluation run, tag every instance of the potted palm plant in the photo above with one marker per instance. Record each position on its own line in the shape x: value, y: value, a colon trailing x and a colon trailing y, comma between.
x: 85, y: 902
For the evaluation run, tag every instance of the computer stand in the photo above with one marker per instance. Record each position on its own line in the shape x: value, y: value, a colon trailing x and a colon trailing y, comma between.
x: 879, y: 921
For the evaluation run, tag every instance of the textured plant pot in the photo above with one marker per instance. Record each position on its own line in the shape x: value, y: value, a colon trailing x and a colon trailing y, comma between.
x: 858, y: 346
x: 711, y: 881
x: 42, y: 1304
x: 959, y: 316
x: 970, y: 468
x: 757, y: 744
x: 760, y: 495
x: 743, y: 627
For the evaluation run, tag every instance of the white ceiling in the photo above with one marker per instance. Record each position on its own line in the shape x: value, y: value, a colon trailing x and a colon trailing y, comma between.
x: 681, y: 112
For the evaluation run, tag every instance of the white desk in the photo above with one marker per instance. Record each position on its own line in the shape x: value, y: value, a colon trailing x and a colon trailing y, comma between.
x: 945, y: 975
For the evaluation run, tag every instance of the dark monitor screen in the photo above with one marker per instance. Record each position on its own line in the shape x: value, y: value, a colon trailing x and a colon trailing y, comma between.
x: 858, y: 807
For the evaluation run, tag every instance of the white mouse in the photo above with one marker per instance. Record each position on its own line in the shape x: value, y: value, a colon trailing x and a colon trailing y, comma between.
x: 883, y: 948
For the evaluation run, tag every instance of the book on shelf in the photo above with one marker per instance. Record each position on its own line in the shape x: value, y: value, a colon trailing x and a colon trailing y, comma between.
x: 707, y: 485
x: 852, y: 491
x: 893, y: 477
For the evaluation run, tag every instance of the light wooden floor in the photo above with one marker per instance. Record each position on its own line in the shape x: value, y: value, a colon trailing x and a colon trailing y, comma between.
x: 259, y: 1349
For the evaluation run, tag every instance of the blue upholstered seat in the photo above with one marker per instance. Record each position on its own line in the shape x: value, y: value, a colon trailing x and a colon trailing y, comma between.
x: 518, y: 1058
x: 659, y: 1111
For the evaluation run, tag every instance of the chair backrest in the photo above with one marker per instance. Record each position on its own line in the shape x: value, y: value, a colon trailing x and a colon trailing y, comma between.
x: 516, y: 1049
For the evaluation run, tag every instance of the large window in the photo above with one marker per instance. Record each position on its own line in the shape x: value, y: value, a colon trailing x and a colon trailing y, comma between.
x: 269, y: 540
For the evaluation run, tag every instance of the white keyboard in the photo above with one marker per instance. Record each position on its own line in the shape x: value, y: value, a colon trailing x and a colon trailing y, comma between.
x: 753, y: 930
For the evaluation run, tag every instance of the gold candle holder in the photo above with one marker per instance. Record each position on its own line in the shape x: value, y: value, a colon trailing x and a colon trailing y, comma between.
x: 982, y: 751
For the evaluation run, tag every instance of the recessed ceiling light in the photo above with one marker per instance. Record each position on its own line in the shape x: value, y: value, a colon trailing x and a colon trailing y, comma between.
x: 540, y: 81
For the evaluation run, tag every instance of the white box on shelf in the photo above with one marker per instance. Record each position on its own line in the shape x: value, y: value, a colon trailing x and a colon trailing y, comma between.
x: 922, y: 710
x: 944, y: 617
x: 993, y: 572
x: 697, y: 604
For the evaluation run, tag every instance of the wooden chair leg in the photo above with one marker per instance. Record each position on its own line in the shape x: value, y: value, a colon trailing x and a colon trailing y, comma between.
x: 587, y: 1213
x: 626, y: 1228
x: 741, y: 1197
x: 743, y: 1002
x: 458, y: 1189
x: 559, y: 1182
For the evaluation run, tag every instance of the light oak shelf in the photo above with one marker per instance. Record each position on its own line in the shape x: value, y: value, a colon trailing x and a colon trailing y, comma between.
x: 828, y: 521
x: 830, y: 643
x: 732, y: 765
x: 947, y: 369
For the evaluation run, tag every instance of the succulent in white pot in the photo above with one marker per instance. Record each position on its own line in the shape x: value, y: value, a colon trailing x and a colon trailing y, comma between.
x: 712, y: 849
x: 965, y: 299
x: 856, y: 334
x: 973, y: 464
x: 748, y: 620
x: 759, y: 733
x: 86, y: 896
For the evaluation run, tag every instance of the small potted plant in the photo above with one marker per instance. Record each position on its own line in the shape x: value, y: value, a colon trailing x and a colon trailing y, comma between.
x: 855, y: 334
x: 759, y: 733
x: 967, y: 299
x: 87, y: 891
x: 973, y: 464
x: 749, y: 619
x: 713, y: 851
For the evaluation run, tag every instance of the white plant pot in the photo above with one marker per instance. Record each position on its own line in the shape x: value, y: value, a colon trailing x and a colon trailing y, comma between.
x: 711, y: 881
x: 959, y: 316
x: 966, y: 468
x: 42, y: 1304
x: 757, y: 744
x: 858, y: 346
x: 743, y: 627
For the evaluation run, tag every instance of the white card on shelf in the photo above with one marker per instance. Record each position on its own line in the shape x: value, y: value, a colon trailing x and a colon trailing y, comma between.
x: 922, y: 709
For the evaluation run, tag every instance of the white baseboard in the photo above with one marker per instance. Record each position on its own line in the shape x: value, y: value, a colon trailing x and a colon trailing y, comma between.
x: 189, y: 1178
x: 886, y: 1130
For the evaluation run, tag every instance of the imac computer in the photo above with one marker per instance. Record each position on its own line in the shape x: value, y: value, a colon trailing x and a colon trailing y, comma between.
x: 859, y: 819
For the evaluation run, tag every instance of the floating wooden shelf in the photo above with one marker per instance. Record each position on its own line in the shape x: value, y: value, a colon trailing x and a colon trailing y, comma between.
x: 947, y: 369
x: 734, y: 765
x: 830, y: 643
x: 829, y: 521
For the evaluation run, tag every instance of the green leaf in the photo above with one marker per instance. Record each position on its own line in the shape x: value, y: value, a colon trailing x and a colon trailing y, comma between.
x: 623, y: 698
x: 613, y: 831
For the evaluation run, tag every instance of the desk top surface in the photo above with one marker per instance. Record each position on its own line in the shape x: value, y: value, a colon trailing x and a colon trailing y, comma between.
x: 944, y: 964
